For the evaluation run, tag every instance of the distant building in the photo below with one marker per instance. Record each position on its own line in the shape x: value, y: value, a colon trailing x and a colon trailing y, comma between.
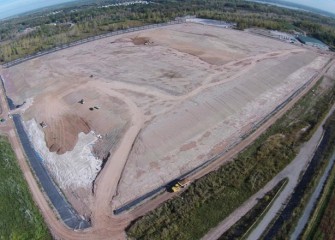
x: 283, y: 36
x: 312, y: 42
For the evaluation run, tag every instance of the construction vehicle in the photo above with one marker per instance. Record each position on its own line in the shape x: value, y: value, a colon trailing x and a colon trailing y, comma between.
x: 43, y: 124
x: 180, y: 185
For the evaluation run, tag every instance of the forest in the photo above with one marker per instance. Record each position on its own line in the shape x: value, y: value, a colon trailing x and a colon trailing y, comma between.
x: 47, y: 29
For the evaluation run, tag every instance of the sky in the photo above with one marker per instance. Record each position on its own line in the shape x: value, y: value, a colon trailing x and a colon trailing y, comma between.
x: 12, y: 7
x: 326, y: 5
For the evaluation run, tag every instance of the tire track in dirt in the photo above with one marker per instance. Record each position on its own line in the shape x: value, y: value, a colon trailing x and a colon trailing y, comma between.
x: 106, y: 183
x: 207, y: 83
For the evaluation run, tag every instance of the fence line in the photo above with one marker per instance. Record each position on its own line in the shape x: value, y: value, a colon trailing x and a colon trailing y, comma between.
x: 90, y: 39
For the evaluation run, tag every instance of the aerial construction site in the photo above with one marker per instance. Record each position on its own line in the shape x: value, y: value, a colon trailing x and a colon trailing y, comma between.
x: 117, y: 118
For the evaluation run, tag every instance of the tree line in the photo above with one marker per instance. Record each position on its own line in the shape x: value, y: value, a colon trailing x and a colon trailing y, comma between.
x: 41, y: 31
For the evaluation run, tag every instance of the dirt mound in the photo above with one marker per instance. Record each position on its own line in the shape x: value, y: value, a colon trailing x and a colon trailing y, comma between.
x: 62, y: 135
x: 141, y: 40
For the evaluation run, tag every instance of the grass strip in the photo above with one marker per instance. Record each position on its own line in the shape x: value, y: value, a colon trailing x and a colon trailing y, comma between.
x: 317, y: 227
x: 242, y: 228
x: 286, y: 222
x: 20, y: 217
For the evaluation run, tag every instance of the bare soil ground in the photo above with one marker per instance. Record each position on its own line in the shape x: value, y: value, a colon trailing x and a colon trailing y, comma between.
x: 167, y: 100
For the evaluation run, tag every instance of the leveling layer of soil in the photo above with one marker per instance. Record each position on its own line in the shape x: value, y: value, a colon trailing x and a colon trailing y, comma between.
x: 191, y: 91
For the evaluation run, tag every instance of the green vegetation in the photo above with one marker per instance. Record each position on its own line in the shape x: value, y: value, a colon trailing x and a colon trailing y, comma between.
x: 323, y: 154
x: 30, y: 34
x: 20, y: 218
x: 240, y: 229
x: 323, y: 219
x: 212, y: 198
x: 321, y: 224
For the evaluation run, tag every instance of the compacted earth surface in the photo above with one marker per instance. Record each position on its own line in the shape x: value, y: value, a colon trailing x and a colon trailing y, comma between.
x: 184, y: 92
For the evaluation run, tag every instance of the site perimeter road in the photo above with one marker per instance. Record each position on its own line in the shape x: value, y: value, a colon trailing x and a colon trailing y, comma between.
x: 113, y: 226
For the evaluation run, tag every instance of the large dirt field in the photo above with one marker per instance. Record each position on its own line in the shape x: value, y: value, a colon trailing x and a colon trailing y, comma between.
x: 192, y: 89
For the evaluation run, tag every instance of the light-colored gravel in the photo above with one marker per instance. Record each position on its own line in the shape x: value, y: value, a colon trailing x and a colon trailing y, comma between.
x: 76, y: 168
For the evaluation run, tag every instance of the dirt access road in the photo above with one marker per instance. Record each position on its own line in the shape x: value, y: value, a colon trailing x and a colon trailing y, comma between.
x: 105, y: 225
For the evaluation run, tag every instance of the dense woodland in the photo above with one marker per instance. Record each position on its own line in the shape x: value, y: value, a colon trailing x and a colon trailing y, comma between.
x: 44, y: 30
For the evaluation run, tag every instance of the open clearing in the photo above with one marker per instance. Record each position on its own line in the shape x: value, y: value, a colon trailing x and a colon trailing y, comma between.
x: 162, y: 102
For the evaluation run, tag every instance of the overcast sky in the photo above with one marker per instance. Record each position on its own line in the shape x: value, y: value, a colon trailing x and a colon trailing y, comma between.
x: 12, y: 7
x: 327, y: 5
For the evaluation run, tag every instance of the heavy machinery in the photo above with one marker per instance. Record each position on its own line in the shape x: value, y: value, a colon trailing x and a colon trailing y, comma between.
x: 43, y: 124
x: 180, y: 184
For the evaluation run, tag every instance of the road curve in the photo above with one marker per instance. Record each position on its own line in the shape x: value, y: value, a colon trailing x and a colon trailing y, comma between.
x: 107, y: 181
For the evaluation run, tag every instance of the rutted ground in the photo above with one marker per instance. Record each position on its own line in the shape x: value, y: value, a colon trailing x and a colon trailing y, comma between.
x: 188, y: 90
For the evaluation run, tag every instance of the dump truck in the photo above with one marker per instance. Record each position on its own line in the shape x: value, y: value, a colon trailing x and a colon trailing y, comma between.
x: 180, y: 184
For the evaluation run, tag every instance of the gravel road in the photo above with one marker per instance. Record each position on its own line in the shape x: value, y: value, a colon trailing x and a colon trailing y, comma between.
x: 292, y: 171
